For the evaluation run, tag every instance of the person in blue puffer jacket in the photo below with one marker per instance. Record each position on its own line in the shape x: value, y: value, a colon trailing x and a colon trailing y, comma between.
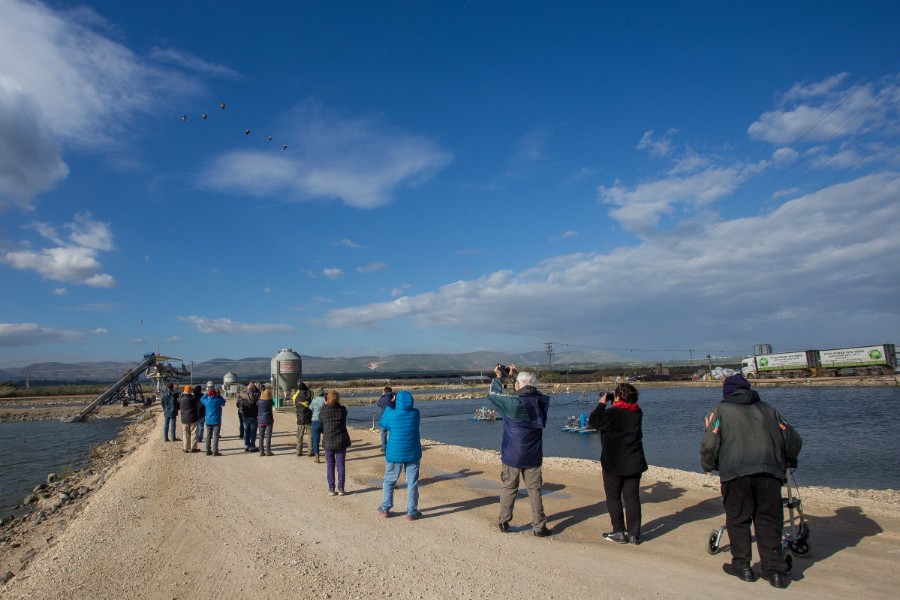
x: 403, y: 451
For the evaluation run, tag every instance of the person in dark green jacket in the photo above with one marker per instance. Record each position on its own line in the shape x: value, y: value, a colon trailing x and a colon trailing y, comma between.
x: 751, y: 446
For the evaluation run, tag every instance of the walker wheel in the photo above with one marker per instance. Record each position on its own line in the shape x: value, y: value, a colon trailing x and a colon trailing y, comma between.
x: 800, y: 549
x: 711, y: 546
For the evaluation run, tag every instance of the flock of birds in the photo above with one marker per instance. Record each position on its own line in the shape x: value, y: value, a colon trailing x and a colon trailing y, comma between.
x: 223, y: 106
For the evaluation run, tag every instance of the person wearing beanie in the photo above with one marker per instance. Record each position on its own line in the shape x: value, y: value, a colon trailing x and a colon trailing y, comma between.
x: 187, y: 406
x: 265, y: 420
x: 315, y: 406
x: 751, y: 446
x: 169, y: 403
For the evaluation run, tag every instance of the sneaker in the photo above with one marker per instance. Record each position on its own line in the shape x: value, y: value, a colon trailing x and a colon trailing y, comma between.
x: 341, y: 493
x: 254, y: 449
x: 504, y: 527
x: 317, y: 460
x: 544, y: 532
x: 383, y: 512
x: 209, y: 453
x: 414, y: 517
x: 619, y: 537
x: 217, y: 454
x: 269, y: 453
x: 332, y: 493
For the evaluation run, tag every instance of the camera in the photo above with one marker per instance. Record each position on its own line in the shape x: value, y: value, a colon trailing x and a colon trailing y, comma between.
x: 504, y: 370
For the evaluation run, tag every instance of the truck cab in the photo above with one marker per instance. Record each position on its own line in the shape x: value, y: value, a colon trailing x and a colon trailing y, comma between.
x: 748, y: 367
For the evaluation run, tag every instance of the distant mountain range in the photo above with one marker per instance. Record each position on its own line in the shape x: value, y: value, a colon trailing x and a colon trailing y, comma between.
x: 363, y: 366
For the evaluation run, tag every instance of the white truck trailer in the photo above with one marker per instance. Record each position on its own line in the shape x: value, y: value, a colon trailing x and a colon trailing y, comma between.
x: 860, y: 360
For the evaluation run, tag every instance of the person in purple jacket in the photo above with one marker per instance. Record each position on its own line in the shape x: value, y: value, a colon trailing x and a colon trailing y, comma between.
x: 521, y: 451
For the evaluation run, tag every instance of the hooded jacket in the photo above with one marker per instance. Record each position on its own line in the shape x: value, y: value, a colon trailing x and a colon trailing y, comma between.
x: 524, y: 418
x: 265, y: 408
x: 746, y: 436
x: 213, y: 406
x: 317, y: 403
x: 404, y: 444
x: 247, y: 400
x: 301, y: 403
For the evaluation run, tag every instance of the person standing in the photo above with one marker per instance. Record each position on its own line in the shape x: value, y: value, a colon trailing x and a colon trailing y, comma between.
x: 213, y: 404
x: 187, y: 406
x: 336, y: 440
x: 247, y: 400
x: 404, y: 451
x: 751, y: 446
x: 304, y: 415
x: 266, y: 421
x: 521, y: 451
x: 621, y: 459
x: 201, y: 410
x: 169, y: 403
x: 315, y: 406
x: 385, y: 402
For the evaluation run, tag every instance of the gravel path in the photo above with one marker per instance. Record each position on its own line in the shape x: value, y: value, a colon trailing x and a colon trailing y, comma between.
x: 172, y: 525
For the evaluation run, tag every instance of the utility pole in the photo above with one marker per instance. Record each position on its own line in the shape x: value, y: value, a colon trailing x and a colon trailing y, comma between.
x: 27, y: 378
x: 709, y: 358
x: 549, y: 351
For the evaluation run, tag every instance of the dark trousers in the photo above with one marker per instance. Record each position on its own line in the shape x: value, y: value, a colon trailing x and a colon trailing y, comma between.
x: 334, y: 460
x: 240, y: 424
x: 756, y: 499
x: 619, y: 491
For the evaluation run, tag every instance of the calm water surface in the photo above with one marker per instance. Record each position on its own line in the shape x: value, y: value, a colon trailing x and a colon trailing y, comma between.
x: 30, y: 450
x: 851, y: 436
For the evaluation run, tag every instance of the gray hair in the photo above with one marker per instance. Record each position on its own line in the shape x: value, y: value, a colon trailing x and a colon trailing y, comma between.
x: 526, y: 378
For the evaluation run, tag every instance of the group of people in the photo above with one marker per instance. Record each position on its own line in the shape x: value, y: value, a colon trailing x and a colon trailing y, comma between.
x: 196, y: 409
x: 746, y: 440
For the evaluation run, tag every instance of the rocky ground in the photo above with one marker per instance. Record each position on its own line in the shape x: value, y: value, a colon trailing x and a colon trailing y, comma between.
x: 149, y: 521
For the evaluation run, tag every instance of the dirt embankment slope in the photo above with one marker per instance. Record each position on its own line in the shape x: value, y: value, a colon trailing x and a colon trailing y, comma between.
x: 166, y: 524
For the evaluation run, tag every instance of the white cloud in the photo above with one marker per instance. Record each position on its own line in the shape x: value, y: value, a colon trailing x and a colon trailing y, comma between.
x: 99, y: 331
x: 137, y: 341
x: 659, y: 147
x: 361, y: 160
x: 60, y: 292
x: 174, y: 339
x: 827, y: 109
x: 372, y: 267
x: 73, y: 259
x: 345, y: 243
x: 333, y: 273
x: 772, y: 277
x: 226, y: 325
x: 400, y: 290
x: 66, y: 84
x: 266, y: 290
x: 189, y: 62
x: 31, y: 334
x: 569, y: 233
x: 309, y: 273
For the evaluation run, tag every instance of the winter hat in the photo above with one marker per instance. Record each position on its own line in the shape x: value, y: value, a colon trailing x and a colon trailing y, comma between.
x: 197, y: 389
x: 734, y: 383
x: 171, y: 386
x: 187, y: 389
x: 251, y: 386
x: 320, y: 392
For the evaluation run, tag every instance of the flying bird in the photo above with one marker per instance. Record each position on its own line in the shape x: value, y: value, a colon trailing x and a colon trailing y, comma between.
x: 246, y: 132
x: 184, y: 117
x: 204, y: 115
x: 222, y: 105
x: 270, y: 138
x: 284, y: 147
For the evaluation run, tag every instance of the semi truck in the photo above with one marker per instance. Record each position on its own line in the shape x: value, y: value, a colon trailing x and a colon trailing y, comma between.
x: 860, y: 360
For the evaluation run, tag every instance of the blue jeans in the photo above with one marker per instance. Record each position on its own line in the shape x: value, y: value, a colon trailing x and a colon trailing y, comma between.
x: 200, y: 430
x: 391, y: 475
x: 169, y: 428
x: 384, y: 435
x: 316, y: 434
x: 249, y: 432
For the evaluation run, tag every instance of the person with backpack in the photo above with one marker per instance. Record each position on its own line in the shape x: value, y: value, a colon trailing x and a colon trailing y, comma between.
x: 247, y: 400
x: 169, y: 403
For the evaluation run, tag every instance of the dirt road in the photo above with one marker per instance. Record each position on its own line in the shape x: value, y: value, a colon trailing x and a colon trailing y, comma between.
x: 172, y: 525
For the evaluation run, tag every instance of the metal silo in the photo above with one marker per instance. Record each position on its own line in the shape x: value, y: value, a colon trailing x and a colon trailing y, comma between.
x: 287, y: 367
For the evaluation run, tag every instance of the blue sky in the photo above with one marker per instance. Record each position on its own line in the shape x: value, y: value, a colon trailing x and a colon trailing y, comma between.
x: 641, y: 177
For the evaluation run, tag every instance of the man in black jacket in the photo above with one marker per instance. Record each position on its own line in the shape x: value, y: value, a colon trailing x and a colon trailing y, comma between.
x: 751, y: 446
x: 187, y: 406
